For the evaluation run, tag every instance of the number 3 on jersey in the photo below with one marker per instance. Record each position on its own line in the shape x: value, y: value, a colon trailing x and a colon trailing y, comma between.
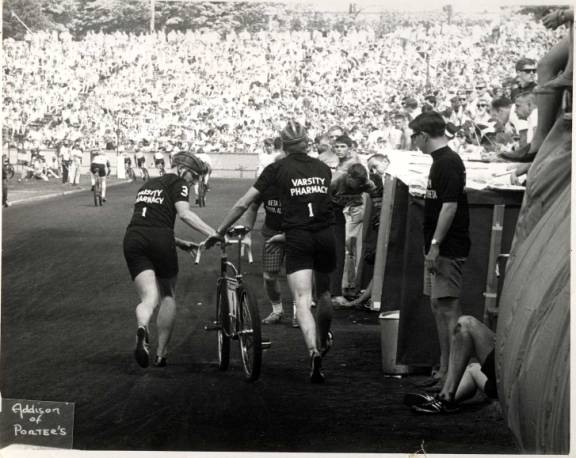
x: 310, y: 210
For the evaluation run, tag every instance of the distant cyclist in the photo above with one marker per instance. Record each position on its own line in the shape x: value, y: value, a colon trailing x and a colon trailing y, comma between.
x: 307, y: 219
x: 99, y: 166
x: 204, y: 157
x: 159, y: 161
x: 150, y: 249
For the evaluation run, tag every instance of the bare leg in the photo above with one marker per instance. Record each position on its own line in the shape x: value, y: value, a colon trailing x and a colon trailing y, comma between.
x: 565, y: 78
x: 446, y: 313
x: 324, y: 313
x: 149, y: 296
x: 272, y: 284
x: 547, y: 99
x: 470, y: 338
x: 166, y: 314
x: 300, y: 283
x: 103, y: 187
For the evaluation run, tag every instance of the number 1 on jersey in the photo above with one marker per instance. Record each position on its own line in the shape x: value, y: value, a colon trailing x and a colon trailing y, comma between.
x: 144, y: 212
x: 310, y: 210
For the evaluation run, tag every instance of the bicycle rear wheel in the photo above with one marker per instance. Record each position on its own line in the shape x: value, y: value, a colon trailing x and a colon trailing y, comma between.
x: 250, y: 334
x: 96, y: 193
x: 223, y: 321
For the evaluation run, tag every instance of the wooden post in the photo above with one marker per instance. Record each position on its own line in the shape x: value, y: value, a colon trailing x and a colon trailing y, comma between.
x: 491, y: 293
x: 365, y: 228
x: 383, y: 239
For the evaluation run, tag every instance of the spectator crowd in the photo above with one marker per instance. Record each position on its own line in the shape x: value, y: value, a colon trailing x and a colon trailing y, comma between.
x: 153, y: 91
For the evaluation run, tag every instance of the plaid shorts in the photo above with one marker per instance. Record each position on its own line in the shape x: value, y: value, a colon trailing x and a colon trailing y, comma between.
x: 272, y: 253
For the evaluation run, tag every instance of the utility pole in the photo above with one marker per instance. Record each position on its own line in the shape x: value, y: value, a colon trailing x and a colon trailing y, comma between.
x: 152, y: 11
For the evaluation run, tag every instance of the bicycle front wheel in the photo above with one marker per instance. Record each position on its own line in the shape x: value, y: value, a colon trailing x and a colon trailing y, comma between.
x: 250, y: 335
x: 223, y: 323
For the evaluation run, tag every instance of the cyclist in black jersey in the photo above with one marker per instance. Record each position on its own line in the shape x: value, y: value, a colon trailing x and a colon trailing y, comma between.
x: 307, y: 220
x: 150, y: 249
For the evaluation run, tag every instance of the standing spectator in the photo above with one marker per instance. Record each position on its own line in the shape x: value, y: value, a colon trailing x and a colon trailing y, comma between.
x: 266, y: 156
x: 76, y: 161
x: 5, y: 165
x: 65, y: 160
x: 446, y: 221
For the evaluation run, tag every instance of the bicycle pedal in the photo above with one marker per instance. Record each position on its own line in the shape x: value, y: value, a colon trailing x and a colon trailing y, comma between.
x: 212, y: 327
x: 266, y: 345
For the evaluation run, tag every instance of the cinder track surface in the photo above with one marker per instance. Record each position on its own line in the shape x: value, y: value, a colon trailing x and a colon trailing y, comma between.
x: 68, y: 334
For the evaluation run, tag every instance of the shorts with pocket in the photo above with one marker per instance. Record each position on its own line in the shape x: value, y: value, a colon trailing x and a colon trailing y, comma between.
x: 447, y: 281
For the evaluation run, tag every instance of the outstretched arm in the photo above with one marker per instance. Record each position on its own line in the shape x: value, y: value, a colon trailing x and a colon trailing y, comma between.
x: 192, y: 219
x: 238, y: 209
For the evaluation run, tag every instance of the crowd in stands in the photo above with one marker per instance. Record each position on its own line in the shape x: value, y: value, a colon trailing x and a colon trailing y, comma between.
x: 228, y: 94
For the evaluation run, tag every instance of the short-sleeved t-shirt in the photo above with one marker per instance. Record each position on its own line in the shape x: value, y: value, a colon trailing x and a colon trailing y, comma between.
x: 446, y: 183
x: 302, y: 183
x: 270, y: 199
x: 156, y: 200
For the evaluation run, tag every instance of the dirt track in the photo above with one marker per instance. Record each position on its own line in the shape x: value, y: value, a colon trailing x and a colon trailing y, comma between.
x: 68, y: 335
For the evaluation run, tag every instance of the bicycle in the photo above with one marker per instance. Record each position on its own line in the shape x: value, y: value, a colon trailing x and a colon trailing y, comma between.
x: 97, y: 191
x: 237, y: 315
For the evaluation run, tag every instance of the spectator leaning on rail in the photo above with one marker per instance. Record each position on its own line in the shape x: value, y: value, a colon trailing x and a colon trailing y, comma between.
x: 446, y: 221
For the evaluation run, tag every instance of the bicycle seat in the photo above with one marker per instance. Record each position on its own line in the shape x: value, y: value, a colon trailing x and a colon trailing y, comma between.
x: 238, y: 231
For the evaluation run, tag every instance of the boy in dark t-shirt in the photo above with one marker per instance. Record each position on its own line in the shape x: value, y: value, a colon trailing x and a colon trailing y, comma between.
x: 445, y: 228
x: 303, y: 186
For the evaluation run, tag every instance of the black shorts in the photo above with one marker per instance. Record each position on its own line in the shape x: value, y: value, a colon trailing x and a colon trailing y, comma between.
x: 140, y: 162
x: 157, y: 162
x: 489, y: 369
x: 310, y: 250
x: 99, y: 169
x: 150, y: 248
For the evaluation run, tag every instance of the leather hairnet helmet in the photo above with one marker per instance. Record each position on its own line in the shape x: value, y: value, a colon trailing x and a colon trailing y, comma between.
x: 293, y: 133
x: 190, y: 162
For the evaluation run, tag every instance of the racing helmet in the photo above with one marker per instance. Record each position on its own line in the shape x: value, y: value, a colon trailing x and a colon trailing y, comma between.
x: 190, y: 162
x: 293, y: 133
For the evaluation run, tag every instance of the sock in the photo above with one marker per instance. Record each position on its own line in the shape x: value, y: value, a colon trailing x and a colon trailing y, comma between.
x: 277, y: 307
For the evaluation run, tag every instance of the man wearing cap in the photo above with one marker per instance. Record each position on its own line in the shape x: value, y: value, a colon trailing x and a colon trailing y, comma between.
x: 302, y: 183
x: 446, y: 221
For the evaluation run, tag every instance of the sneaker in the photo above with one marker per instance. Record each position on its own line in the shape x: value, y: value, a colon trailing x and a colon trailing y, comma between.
x: 273, y: 318
x: 295, y: 323
x: 316, y: 375
x: 328, y: 344
x: 142, y: 352
x: 160, y: 361
x: 436, y: 406
x: 412, y: 399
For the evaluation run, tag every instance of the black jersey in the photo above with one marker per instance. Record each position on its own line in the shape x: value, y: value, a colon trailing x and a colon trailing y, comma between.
x: 446, y: 183
x: 272, y: 206
x: 302, y: 183
x: 156, y: 199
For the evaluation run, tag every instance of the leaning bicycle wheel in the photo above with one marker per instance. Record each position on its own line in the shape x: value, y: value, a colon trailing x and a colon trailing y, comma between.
x: 223, y: 322
x: 250, y: 334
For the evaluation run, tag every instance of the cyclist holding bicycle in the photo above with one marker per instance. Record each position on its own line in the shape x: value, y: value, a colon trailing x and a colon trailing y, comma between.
x: 303, y: 183
x: 99, y: 166
x: 150, y: 249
